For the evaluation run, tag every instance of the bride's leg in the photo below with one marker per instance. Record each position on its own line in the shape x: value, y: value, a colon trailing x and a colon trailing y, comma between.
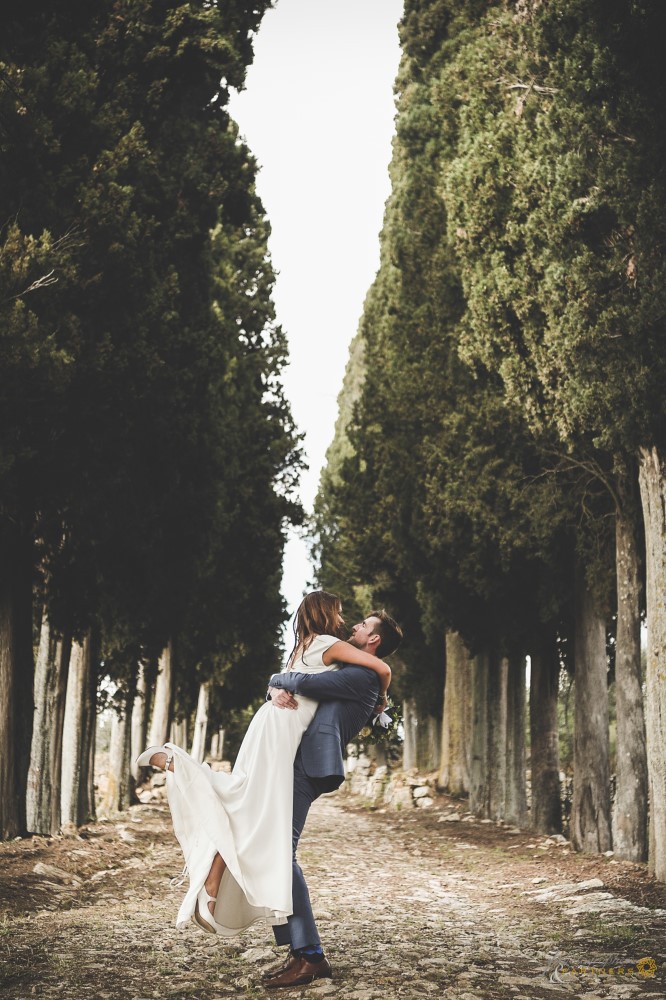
x: 212, y: 883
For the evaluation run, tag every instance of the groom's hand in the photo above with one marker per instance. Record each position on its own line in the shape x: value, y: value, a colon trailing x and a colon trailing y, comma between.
x: 282, y: 699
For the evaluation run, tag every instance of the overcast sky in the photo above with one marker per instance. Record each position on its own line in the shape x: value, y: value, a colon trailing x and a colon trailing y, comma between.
x: 318, y: 114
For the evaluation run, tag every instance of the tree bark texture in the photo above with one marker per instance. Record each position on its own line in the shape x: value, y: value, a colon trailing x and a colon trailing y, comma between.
x: 497, y: 744
x: 454, y: 767
x: 546, y: 807
x: 161, y: 715
x: 630, y: 834
x: 62, y: 654
x: 87, y: 802
x: 652, y: 479
x: 139, y: 723
x: 590, y: 809
x: 479, y: 790
x: 217, y: 745
x: 421, y: 747
x: 16, y: 679
x: 77, y: 797
x: 43, y: 797
x: 201, y: 724
x: 430, y: 742
x: 119, y: 788
x: 515, y: 803
x: 410, y: 726
x: 178, y: 733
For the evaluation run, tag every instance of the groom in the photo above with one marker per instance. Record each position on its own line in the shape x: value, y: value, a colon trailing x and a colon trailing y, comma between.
x: 348, y: 698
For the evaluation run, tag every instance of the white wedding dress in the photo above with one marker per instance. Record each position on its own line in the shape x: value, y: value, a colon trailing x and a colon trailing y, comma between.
x: 246, y: 816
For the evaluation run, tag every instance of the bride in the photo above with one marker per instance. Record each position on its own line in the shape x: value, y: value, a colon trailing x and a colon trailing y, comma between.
x: 235, y: 830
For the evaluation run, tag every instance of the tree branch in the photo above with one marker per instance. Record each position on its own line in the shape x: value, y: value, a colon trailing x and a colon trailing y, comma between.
x: 43, y: 282
x: 533, y: 86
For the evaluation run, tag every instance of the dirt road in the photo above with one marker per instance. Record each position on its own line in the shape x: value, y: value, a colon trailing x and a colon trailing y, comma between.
x: 410, y: 904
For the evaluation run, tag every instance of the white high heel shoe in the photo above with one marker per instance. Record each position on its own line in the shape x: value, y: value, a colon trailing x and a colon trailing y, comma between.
x: 202, y: 916
x: 143, y: 760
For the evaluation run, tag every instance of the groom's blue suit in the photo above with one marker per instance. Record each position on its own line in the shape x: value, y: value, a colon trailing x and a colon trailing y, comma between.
x: 348, y: 697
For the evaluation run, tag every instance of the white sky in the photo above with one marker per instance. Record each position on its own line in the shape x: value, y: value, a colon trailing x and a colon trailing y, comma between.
x: 318, y: 112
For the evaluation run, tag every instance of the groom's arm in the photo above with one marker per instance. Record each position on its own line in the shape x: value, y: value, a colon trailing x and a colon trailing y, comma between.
x: 329, y: 685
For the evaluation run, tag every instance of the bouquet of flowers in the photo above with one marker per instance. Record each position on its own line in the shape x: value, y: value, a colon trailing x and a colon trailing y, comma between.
x: 383, y: 727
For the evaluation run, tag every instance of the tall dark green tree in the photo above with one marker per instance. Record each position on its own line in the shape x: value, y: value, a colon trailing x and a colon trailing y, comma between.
x: 124, y: 406
x: 556, y: 204
x: 454, y: 485
x: 434, y: 496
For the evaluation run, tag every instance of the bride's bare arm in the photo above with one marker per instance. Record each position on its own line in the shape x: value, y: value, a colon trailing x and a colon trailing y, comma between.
x: 344, y: 652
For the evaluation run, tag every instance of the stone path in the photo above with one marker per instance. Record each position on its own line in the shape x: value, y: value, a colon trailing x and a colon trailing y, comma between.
x: 413, y: 903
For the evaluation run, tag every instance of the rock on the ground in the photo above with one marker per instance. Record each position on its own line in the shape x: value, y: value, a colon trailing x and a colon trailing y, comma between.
x: 258, y: 954
x: 59, y: 874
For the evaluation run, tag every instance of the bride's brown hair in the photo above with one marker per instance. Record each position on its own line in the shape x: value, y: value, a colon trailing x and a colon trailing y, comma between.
x: 317, y: 615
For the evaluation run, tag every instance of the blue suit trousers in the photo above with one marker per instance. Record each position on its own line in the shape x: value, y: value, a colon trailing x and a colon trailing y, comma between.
x: 300, y: 929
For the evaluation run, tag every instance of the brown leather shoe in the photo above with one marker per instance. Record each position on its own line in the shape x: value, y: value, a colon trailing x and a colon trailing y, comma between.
x: 290, y: 960
x: 301, y: 972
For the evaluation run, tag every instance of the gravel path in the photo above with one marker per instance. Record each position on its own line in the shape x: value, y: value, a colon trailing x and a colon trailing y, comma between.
x: 410, y: 904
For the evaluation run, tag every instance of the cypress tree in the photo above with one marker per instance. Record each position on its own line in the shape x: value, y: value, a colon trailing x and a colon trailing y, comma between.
x: 119, y: 162
x: 554, y: 199
x: 437, y: 504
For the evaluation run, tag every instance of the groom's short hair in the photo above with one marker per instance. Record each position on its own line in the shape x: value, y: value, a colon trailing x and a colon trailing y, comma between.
x: 389, y: 632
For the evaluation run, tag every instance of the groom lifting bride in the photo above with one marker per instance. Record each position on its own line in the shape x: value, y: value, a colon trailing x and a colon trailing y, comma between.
x: 239, y: 832
x: 347, y: 699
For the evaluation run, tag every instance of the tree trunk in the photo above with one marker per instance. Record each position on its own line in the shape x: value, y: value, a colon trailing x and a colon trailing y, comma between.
x: 78, y: 738
x: 139, y: 724
x: 38, y: 797
x: 201, y: 724
x: 410, y: 724
x: 631, y: 790
x: 217, y: 745
x: 422, y: 741
x: 590, y: 809
x: 652, y: 478
x: 118, y: 789
x: 178, y: 733
x: 456, y: 718
x: 497, y: 744
x: 430, y: 742
x: 87, y: 805
x: 479, y: 789
x: 515, y: 804
x: 43, y: 798
x: 16, y: 679
x: 159, y: 727
x: 546, y: 807
x: 63, y: 654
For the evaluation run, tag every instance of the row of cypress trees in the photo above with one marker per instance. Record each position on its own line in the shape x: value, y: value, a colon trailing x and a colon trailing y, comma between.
x: 498, y: 474
x: 147, y: 455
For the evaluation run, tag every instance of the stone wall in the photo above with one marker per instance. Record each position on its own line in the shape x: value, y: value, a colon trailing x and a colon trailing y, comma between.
x: 371, y: 779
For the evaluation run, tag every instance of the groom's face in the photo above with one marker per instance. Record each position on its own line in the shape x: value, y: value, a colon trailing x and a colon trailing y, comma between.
x: 362, y: 633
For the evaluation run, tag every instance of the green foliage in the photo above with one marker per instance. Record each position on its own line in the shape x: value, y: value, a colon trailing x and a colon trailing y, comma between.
x: 556, y: 207
x: 437, y: 496
x: 509, y: 361
x: 145, y: 436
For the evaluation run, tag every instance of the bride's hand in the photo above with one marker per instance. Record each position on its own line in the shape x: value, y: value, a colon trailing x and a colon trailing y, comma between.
x: 382, y: 702
x: 282, y: 699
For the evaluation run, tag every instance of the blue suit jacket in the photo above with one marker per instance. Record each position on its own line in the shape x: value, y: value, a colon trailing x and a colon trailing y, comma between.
x: 348, y: 697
